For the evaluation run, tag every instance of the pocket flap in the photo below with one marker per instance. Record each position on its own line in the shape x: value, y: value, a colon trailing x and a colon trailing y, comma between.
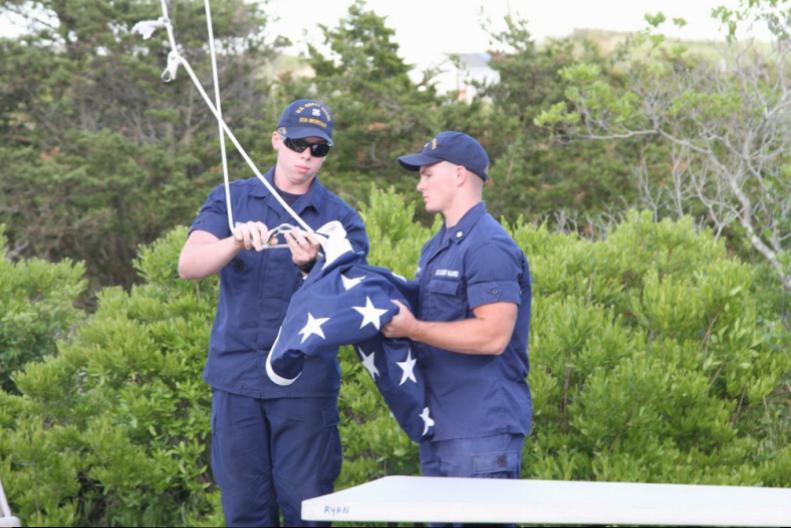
x: 444, y: 286
x: 495, y: 462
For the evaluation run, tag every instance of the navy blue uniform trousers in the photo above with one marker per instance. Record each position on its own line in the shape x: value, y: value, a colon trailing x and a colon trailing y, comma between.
x: 269, y: 454
x: 496, y: 456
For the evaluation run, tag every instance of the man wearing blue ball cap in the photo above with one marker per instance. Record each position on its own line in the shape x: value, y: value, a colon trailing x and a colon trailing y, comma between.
x: 470, y: 329
x: 272, y: 446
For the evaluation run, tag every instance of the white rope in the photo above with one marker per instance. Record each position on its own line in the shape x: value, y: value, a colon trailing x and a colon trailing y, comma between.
x: 241, y: 150
x: 282, y: 229
x: 146, y: 28
x: 218, y: 104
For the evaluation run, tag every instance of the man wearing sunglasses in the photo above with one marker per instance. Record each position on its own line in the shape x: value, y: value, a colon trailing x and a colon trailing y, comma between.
x: 470, y: 330
x: 272, y: 446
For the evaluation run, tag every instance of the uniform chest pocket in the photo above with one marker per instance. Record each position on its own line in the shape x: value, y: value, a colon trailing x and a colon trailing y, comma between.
x: 282, y: 277
x: 444, y: 300
x: 444, y: 286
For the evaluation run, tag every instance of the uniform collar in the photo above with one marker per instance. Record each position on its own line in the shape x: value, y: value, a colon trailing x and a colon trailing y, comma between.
x: 466, y: 223
x: 448, y: 236
x: 312, y: 198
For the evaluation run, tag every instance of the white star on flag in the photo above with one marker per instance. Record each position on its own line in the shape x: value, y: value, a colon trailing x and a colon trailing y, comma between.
x: 345, y: 301
x: 397, y: 276
x: 371, y: 314
x: 408, y: 366
x: 368, y: 363
x: 427, y: 420
x: 313, y: 327
x: 348, y: 283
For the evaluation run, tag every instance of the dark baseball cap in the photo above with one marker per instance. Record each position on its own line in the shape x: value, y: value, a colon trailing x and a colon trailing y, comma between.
x: 455, y: 147
x: 304, y: 118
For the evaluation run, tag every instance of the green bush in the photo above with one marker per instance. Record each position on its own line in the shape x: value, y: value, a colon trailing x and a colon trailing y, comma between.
x: 655, y: 357
x: 37, y: 308
x: 114, y: 429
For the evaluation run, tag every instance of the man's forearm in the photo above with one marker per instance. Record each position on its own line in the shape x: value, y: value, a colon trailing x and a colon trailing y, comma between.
x: 199, y: 260
x: 468, y: 336
x: 488, y: 332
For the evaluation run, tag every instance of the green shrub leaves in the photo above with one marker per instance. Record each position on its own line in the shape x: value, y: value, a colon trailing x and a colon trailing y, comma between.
x: 655, y: 357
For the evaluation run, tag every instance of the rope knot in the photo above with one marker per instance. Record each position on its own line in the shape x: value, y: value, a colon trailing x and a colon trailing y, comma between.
x: 169, y: 73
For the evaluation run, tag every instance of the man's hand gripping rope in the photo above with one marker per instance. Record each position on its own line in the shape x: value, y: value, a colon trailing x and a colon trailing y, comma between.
x: 305, y: 247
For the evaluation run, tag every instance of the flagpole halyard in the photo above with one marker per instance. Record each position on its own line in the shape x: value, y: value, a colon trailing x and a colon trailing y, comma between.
x: 218, y: 104
x: 175, y: 59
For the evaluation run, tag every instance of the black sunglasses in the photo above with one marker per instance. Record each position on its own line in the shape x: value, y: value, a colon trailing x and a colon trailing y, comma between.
x: 318, y: 150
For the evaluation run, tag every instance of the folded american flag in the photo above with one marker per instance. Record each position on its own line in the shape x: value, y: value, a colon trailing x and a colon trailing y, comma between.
x: 346, y: 301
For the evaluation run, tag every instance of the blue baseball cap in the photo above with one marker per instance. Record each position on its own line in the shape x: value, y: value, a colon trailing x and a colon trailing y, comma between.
x: 304, y: 118
x: 455, y: 147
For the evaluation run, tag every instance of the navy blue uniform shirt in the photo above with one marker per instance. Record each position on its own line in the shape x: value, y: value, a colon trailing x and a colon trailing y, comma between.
x: 463, y: 267
x: 256, y: 287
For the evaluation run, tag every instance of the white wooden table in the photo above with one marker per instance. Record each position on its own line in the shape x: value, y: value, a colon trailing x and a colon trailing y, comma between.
x: 433, y: 499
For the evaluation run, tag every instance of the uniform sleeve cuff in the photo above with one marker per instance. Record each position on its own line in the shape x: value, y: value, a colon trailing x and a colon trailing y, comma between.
x: 218, y: 229
x: 492, y: 292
